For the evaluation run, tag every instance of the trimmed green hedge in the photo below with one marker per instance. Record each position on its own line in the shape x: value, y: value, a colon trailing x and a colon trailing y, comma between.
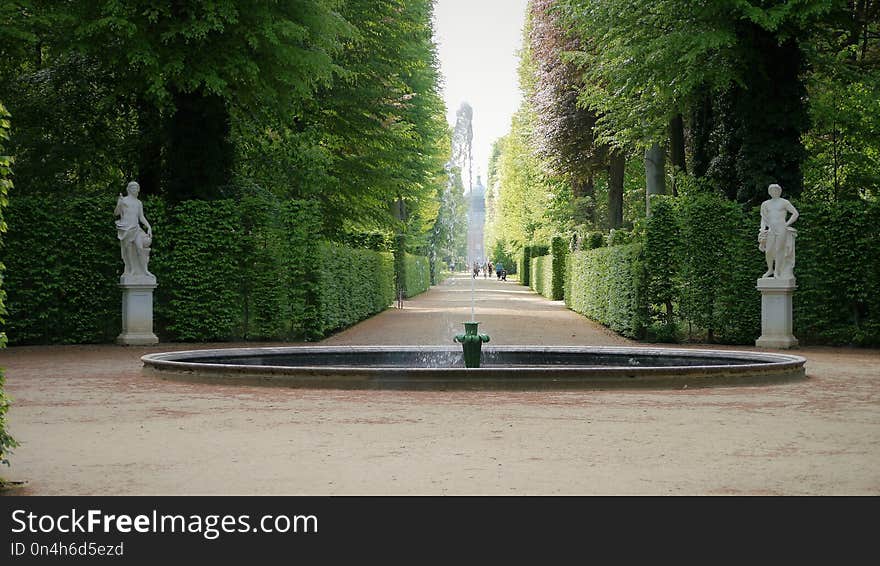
x: 548, y: 271
x: 838, y: 273
x: 701, y: 263
x: 524, y: 262
x: 541, y: 275
x: 608, y: 286
x: 62, y: 270
x: 7, y: 443
x: 251, y: 269
x: 719, y: 265
x: 559, y: 251
x: 353, y: 284
x: 417, y: 275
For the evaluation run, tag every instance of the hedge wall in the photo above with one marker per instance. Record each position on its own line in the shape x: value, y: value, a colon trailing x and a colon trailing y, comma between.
x: 62, y: 269
x: 838, y: 273
x: 559, y: 251
x: 7, y: 443
x: 251, y: 269
x: 524, y: 262
x: 238, y: 269
x: 353, y: 284
x: 548, y: 272
x: 701, y: 263
x: 608, y: 286
x: 719, y: 263
x: 541, y: 275
x: 417, y: 277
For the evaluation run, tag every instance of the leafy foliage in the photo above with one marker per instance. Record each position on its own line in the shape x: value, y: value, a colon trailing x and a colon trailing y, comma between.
x: 62, y: 262
x: 716, y: 271
x: 7, y: 442
x: 541, y: 275
x: 524, y: 267
x: 547, y: 272
x: 662, y: 251
x: 700, y: 262
x: 608, y: 286
x: 559, y: 252
x: 352, y: 284
x: 838, y: 273
x: 418, y: 275
x: 324, y: 100
x: 251, y: 269
x: 563, y: 130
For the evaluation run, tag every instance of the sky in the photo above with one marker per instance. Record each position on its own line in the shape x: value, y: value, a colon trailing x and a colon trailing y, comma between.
x: 477, y: 43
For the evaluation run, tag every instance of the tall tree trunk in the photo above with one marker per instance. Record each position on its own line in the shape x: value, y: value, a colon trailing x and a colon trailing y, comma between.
x: 770, y: 116
x: 676, y: 147
x: 701, y: 128
x: 616, y: 170
x: 585, y: 188
x: 149, y: 158
x: 199, y: 157
x: 655, y: 173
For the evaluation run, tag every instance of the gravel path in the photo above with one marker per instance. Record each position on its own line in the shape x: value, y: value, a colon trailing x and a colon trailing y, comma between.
x: 90, y: 422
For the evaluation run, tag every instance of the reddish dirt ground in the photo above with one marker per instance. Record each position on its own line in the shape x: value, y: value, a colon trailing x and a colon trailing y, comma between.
x: 91, y: 421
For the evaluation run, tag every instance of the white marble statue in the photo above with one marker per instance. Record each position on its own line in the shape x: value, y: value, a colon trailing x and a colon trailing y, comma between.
x: 776, y: 236
x: 135, y: 243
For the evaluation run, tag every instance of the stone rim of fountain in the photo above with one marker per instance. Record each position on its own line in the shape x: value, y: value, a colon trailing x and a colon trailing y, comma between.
x: 751, y: 368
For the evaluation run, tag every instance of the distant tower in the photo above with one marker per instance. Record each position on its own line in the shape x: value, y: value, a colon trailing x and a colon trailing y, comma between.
x: 476, y: 218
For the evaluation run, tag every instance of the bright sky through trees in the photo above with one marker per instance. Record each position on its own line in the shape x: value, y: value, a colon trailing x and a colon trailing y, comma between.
x: 477, y: 42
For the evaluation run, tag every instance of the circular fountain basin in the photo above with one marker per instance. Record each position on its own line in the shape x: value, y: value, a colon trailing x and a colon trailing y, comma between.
x: 502, y: 367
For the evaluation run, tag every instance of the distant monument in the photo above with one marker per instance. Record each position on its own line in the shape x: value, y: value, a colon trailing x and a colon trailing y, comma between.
x: 776, y: 238
x: 136, y: 281
x: 476, y: 223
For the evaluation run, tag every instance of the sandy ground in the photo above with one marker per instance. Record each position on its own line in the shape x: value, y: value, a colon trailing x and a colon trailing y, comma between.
x: 91, y: 422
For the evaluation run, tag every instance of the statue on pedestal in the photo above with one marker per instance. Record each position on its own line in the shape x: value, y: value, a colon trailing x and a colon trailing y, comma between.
x: 134, y: 242
x: 776, y: 236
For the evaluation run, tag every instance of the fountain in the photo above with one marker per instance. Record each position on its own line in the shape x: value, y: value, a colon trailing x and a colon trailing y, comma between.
x: 471, y: 341
x: 502, y: 367
x: 474, y: 367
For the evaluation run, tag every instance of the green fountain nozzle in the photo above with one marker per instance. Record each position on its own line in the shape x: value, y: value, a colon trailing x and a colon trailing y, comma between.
x: 471, y: 343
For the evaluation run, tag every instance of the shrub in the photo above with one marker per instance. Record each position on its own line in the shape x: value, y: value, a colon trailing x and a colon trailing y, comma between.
x: 7, y: 442
x: 608, y: 285
x: 417, y: 275
x: 662, y: 261
x: 593, y: 240
x: 63, y: 267
x: 250, y: 268
x: 541, y: 275
x: 838, y: 273
x: 353, y: 284
x: 719, y: 264
x: 701, y: 263
x: 525, y: 264
x: 199, y: 264
x: 559, y: 252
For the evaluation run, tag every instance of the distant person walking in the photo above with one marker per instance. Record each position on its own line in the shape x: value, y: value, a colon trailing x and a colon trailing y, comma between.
x: 499, y: 267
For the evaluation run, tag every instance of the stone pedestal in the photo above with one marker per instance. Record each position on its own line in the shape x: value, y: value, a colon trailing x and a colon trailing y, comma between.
x: 776, y: 319
x: 137, y: 314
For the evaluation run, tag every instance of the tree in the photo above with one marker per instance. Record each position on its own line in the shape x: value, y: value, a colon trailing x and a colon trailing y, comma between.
x: 198, y: 60
x: 563, y: 129
x: 382, y: 123
x: 658, y: 58
x: 463, y: 143
x: 843, y: 144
